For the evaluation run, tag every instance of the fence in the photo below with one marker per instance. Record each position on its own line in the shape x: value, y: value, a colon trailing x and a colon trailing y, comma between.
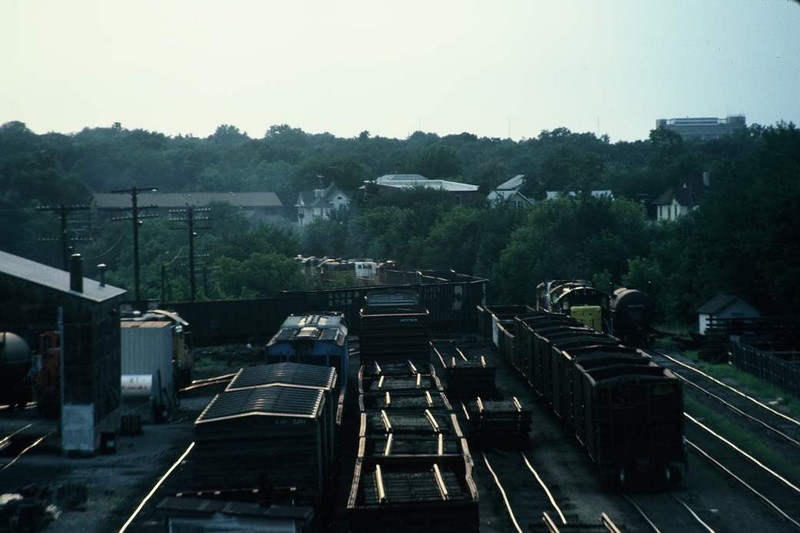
x: 781, y: 369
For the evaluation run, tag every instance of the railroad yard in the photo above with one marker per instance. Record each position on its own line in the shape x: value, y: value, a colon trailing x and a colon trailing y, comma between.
x: 552, y: 475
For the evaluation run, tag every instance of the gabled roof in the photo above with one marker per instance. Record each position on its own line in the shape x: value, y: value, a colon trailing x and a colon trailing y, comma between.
x: 687, y: 195
x: 719, y: 303
x: 320, y: 197
x: 180, y: 199
x: 54, y: 278
x: 279, y: 400
x: 603, y: 193
x: 513, y: 184
x: 499, y: 196
x: 410, y: 181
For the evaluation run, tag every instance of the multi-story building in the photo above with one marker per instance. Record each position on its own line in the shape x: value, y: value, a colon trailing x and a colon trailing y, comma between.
x: 703, y: 128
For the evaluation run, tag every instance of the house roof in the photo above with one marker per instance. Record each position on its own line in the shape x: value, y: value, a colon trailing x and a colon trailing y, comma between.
x: 505, y: 195
x: 719, y: 303
x: 54, y: 278
x: 688, y: 194
x: 319, y: 197
x: 180, y: 199
x: 410, y: 181
x: 513, y: 184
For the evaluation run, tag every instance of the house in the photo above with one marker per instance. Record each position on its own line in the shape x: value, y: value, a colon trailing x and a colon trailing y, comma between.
x: 320, y: 203
x: 723, y: 306
x: 463, y: 193
x: 256, y: 207
x: 675, y: 203
x: 508, y: 193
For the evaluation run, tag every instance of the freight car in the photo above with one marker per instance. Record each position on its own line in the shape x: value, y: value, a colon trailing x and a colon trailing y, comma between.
x: 627, y: 314
x: 15, y: 370
x: 632, y: 315
x: 413, y: 470
x: 626, y: 411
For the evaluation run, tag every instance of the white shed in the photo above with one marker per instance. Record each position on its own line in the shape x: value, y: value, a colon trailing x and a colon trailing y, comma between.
x: 723, y: 306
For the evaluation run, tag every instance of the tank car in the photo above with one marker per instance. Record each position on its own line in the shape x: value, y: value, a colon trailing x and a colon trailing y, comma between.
x: 15, y: 371
x: 632, y: 314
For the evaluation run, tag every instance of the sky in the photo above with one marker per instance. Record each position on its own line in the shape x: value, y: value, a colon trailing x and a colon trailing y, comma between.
x: 504, y: 68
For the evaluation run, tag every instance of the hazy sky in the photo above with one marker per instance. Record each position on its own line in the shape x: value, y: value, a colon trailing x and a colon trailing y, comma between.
x: 494, y: 68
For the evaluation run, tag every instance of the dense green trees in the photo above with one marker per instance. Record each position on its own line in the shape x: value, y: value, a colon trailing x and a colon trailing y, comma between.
x: 743, y: 239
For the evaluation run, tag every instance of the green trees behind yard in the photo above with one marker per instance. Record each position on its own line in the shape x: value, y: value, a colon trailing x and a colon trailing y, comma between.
x: 743, y: 239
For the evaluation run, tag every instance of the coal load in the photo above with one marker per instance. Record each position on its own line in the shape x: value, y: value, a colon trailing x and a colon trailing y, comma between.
x: 465, y: 376
x: 394, y: 329
x: 499, y: 424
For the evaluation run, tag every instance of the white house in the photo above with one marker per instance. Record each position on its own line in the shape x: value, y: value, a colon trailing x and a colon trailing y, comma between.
x: 508, y: 193
x: 675, y: 203
x: 320, y: 203
x: 723, y: 306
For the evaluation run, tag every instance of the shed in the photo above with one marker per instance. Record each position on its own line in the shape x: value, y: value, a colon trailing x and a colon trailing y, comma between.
x: 35, y: 299
x: 723, y: 306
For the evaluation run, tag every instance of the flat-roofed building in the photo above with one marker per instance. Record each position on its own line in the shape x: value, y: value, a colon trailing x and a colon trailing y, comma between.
x: 703, y: 128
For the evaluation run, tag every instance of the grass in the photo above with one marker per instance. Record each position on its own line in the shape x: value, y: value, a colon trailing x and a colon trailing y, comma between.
x: 748, y: 441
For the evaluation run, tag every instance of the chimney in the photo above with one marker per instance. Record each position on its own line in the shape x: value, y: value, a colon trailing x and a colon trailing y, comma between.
x: 706, y: 179
x: 102, y: 269
x: 76, y: 273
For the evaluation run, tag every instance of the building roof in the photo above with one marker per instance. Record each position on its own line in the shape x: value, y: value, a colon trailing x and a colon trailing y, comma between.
x: 687, y: 195
x: 410, y: 181
x: 166, y: 200
x: 499, y: 196
x: 719, y: 303
x: 513, y: 184
x: 320, y: 197
x: 54, y: 278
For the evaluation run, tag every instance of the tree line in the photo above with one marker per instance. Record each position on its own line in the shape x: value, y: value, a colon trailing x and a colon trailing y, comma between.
x: 742, y: 240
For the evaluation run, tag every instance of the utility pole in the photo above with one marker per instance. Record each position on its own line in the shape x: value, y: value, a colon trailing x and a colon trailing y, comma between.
x: 189, y: 217
x: 136, y: 217
x: 63, y: 211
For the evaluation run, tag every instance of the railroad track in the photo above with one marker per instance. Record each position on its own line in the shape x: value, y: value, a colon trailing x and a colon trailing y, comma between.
x: 761, y: 469
x: 20, y: 442
x: 667, y: 512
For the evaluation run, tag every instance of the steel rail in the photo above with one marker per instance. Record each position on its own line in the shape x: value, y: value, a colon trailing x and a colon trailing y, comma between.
x: 732, y: 389
x: 642, y: 513
x: 155, y: 488
x: 739, y: 411
x: 694, y: 515
x: 553, y: 503
x: 744, y: 483
x: 502, y: 493
x: 27, y: 449
x: 746, y: 455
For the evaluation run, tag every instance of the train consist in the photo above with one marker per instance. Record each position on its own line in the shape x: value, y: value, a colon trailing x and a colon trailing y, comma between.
x: 627, y: 313
x: 626, y: 411
x: 413, y: 469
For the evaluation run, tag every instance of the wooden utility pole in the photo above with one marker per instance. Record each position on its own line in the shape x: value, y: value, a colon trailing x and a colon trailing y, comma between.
x: 136, y: 218
x: 188, y: 216
x: 63, y: 211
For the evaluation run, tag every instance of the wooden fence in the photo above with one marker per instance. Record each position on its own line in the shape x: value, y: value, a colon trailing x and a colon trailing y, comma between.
x: 781, y: 369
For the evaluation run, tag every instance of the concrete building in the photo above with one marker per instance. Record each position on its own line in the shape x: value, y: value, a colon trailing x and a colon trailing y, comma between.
x: 702, y: 128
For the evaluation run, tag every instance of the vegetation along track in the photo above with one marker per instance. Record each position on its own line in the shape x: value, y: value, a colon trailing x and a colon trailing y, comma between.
x: 753, y: 443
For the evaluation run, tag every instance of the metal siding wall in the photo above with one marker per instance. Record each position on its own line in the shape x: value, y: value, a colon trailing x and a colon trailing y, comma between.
x: 148, y: 350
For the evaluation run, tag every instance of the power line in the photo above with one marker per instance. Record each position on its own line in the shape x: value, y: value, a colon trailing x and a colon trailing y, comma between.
x: 63, y: 211
x: 188, y: 217
x: 136, y: 218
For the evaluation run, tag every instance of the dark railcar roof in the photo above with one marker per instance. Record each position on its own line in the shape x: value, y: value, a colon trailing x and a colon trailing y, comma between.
x: 295, y: 374
x: 281, y: 400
